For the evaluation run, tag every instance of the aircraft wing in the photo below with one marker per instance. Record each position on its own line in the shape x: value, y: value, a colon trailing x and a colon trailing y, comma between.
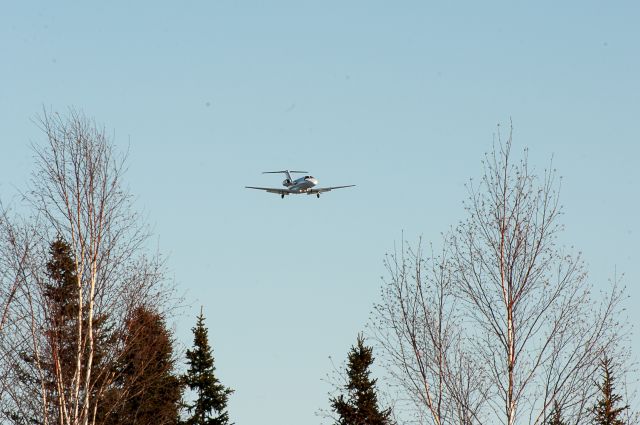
x: 271, y: 190
x: 326, y: 189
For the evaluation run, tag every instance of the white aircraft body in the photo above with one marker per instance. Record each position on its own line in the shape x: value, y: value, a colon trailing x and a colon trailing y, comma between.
x: 303, y: 185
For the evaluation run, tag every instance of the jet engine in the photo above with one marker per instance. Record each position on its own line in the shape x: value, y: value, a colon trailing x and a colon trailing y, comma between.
x: 286, y: 183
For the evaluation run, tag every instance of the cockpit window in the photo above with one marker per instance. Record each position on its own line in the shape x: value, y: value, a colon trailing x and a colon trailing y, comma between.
x: 308, y: 177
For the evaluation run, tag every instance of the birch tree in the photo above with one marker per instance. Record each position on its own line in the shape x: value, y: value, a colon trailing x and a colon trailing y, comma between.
x: 77, y: 195
x: 519, y: 316
x: 418, y: 325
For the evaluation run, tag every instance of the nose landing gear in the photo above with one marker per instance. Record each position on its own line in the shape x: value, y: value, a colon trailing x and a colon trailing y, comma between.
x: 318, y: 195
x: 282, y: 195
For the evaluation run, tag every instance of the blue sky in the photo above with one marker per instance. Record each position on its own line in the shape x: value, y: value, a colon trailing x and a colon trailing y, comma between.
x: 400, y: 98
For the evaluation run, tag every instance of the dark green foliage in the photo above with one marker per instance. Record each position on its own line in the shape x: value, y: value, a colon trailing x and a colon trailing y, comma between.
x: 62, y: 303
x: 556, y: 415
x: 607, y: 411
x: 360, y: 406
x: 58, y: 361
x: 211, y: 396
x: 146, y: 391
x: 61, y: 335
x: 62, y: 293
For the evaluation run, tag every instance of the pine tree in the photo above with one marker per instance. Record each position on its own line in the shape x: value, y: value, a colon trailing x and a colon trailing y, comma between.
x: 211, y: 396
x: 146, y: 391
x: 360, y: 407
x: 607, y: 410
x: 556, y: 415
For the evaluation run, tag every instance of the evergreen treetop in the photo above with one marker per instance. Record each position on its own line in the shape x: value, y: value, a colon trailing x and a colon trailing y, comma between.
x: 556, y: 415
x: 607, y: 410
x: 360, y: 406
x: 50, y: 375
x: 211, y: 396
x: 146, y: 390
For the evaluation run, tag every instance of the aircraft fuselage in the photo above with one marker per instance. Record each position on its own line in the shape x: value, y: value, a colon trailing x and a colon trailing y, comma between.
x: 301, y: 185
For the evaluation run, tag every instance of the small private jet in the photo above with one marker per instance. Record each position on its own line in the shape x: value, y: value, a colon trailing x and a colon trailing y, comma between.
x: 303, y: 185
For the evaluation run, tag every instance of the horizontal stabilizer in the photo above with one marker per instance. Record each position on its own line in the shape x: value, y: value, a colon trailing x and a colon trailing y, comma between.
x: 283, y: 171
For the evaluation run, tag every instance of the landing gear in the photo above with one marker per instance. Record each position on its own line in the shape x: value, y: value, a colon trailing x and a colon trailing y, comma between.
x: 318, y: 195
x: 282, y: 195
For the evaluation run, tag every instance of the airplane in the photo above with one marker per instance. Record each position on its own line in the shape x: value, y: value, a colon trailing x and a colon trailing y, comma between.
x: 302, y: 185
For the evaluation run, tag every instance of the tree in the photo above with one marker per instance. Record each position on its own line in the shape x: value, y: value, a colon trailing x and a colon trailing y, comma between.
x: 61, y: 335
x: 18, y: 240
x: 76, y: 194
x: 55, y: 362
x: 516, y: 308
x: 360, y: 407
x: 211, y: 396
x: 146, y: 390
x: 419, y: 328
x: 556, y: 415
x: 607, y: 410
x: 51, y: 370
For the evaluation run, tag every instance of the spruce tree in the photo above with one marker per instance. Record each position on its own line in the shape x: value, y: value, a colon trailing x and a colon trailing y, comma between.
x: 62, y: 334
x: 54, y: 369
x: 210, y: 403
x: 607, y: 410
x: 556, y: 415
x: 360, y: 406
x: 146, y: 390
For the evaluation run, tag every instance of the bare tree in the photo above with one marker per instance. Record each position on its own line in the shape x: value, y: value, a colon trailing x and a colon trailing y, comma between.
x: 519, y: 318
x: 77, y: 195
x: 418, y: 325
x: 18, y: 242
x: 15, y: 245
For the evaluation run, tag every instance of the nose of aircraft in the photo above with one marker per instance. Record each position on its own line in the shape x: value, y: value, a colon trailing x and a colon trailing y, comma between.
x: 314, y: 181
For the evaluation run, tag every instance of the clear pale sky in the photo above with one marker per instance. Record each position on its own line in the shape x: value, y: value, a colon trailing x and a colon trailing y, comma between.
x: 400, y: 98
